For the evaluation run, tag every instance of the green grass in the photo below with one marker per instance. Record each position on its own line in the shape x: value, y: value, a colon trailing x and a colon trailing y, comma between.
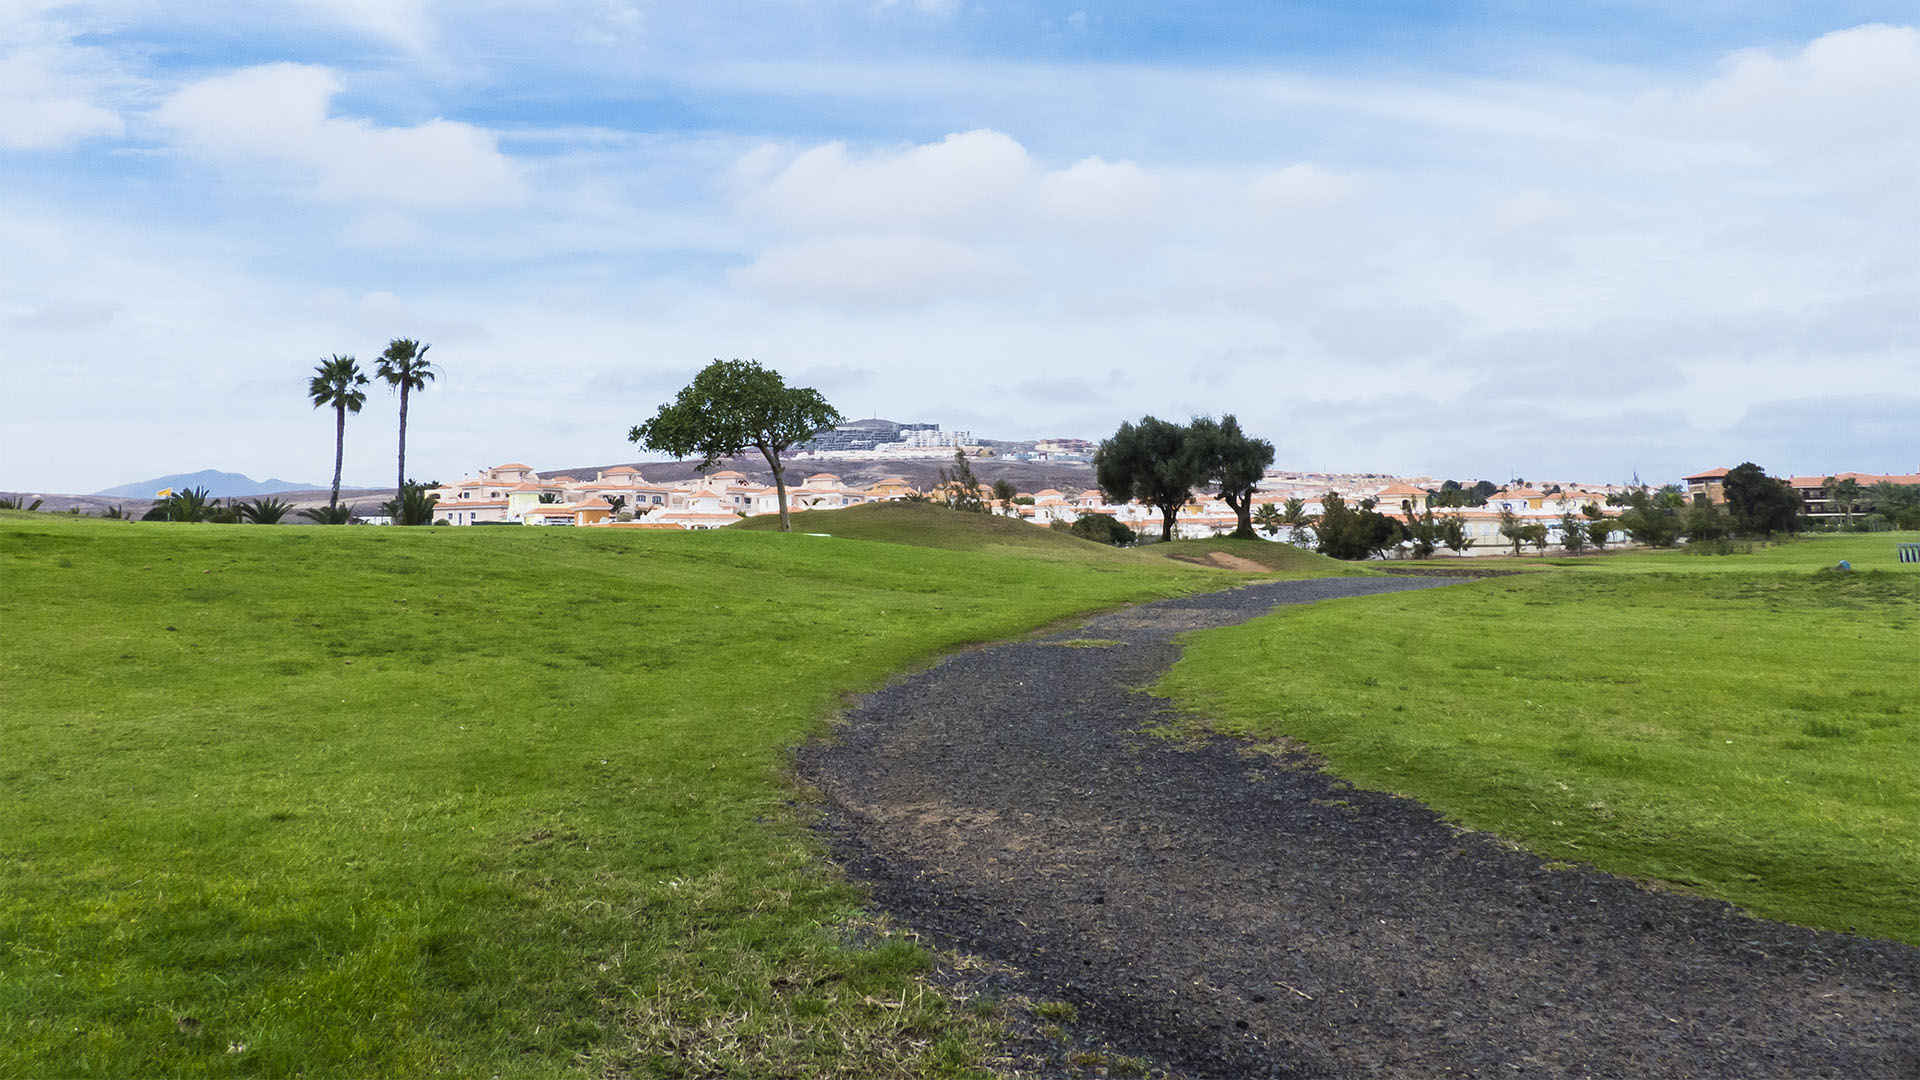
x: 356, y: 801
x: 1747, y: 726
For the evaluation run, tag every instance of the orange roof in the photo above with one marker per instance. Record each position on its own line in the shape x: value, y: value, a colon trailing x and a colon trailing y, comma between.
x: 618, y: 469
x: 563, y: 480
x: 513, y: 465
x: 595, y: 503
x: 1710, y: 474
x: 1397, y: 488
x: 1863, y: 479
x: 728, y: 473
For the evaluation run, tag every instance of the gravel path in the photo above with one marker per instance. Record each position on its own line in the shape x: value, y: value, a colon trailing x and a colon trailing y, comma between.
x: 1226, y: 912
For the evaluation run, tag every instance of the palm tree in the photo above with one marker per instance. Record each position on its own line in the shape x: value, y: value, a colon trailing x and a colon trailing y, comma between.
x: 404, y: 365
x: 263, y: 511
x: 336, y: 384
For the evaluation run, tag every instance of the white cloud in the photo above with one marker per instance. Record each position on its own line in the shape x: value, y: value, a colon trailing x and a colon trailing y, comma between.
x: 957, y: 185
x: 50, y: 90
x: 403, y: 22
x: 281, y: 112
x: 1102, y: 197
x: 880, y: 270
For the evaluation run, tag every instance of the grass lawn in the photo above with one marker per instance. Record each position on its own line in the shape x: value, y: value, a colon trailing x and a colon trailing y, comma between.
x: 1744, y: 725
x: 494, y: 802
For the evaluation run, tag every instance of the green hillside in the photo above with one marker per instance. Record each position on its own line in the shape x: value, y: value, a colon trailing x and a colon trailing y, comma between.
x: 384, y: 802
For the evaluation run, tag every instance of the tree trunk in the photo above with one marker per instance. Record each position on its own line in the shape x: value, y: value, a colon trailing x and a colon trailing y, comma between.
x: 779, y: 485
x: 339, y: 450
x: 400, y: 488
x: 1167, y: 514
x: 1242, y: 509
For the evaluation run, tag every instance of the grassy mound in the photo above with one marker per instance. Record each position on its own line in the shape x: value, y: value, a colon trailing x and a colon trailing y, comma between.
x: 1256, y: 556
x: 1744, y: 726
x: 373, y: 802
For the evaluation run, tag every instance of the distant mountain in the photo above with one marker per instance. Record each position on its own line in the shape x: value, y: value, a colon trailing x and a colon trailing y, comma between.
x: 220, y: 485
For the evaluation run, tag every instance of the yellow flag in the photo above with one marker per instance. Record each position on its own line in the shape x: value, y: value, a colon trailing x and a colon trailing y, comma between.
x: 163, y: 493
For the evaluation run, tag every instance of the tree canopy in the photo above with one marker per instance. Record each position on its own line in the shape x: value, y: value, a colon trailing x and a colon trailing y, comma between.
x: 734, y: 404
x: 1349, y: 532
x: 1228, y: 457
x: 1153, y: 462
x: 1759, y: 503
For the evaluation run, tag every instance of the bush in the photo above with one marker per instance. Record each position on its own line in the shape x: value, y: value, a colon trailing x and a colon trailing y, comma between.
x: 1104, y: 529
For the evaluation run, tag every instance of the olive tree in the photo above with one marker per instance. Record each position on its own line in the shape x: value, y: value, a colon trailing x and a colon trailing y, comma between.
x: 734, y: 404
x: 1152, y: 462
x: 1233, y: 460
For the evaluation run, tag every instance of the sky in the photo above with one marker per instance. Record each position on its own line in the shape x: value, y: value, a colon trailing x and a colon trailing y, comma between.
x: 1575, y: 240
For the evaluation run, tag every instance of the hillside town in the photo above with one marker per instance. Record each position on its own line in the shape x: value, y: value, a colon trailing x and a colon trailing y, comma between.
x: 621, y: 497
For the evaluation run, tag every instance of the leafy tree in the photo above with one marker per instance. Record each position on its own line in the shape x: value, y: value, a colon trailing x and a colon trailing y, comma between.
x: 617, y: 502
x: 1345, y: 532
x: 1453, y: 533
x: 1427, y: 532
x: 734, y: 404
x: 549, y: 498
x: 20, y: 503
x: 413, y: 506
x: 1573, y: 532
x: 1004, y: 493
x: 116, y: 512
x: 1598, y: 527
x: 1152, y: 462
x: 1268, y: 520
x: 1512, y: 528
x: 1535, y: 533
x: 1705, y: 520
x: 1845, y: 494
x: 1651, y: 519
x: 1228, y: 457
x: 1102, y: 528
x: 1760, y: 503
x: 331, y: 514
x: 336, y: 384
x: 404, y: 366
x: 1898, y: 504
x: 263, y: 511
x: 960, y: 487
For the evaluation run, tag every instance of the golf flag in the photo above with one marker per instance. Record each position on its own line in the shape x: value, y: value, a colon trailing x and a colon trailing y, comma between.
x: 163, y: 493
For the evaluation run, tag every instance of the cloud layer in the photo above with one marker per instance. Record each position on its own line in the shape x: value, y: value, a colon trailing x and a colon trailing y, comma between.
x: 1582, y: 272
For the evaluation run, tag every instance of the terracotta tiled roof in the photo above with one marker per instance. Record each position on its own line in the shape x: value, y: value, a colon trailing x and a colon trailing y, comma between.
x: 1710, y: 474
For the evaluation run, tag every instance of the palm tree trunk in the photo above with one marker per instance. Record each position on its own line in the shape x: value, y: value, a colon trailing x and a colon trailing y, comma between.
x: 339, y: 450
x: 400, y: 486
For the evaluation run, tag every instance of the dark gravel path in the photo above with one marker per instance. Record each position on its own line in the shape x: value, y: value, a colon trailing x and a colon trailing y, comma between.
x: 1231, y: 913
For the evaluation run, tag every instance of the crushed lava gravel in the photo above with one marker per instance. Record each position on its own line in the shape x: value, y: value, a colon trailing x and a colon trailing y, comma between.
x: 1223, y: 912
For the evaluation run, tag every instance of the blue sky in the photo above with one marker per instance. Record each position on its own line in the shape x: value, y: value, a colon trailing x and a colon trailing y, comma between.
x: 1560, y: 240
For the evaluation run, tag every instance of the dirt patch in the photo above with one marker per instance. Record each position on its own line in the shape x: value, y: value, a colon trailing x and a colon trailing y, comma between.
x: 1235, y: 562
x: 1219, y: 913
